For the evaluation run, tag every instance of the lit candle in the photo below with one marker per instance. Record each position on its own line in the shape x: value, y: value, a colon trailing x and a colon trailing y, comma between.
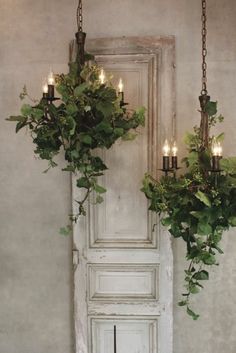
x: 174, y: 158
x: 102, y: 77
x: 216, y: 150
x: 120, y: 86
x: 121, y: 91
x: 220, y: 150
x: 166, y: 158
x: 51, y: 83
x: 51, y: 78
x: 45, y: 89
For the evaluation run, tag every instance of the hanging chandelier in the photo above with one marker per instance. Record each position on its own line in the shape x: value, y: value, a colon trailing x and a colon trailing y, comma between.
x: 79, y: 113
x: 199, y: 205
x: 208, y: 110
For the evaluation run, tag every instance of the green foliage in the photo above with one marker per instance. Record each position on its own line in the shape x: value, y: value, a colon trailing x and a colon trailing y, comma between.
x: 197, y: 207
x: 89, y: 116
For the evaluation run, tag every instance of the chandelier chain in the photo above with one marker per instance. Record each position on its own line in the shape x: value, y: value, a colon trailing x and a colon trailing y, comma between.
x: 79, y: 16
x: 204, y: 49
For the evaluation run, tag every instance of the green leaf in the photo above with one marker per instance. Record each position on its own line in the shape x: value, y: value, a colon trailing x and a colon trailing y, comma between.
x: 37, y: 113
x: 201, y: 275
x: 192, y: 159
x: 87, y: 139
x: 74, y: 68
x: 72, y: 108
x: 70, y: 125
x: 119, y: 131
x: 20, y: 125
x: 220, y: 137
x: 104, y: 126
x: 66, y: 230
x: 198, y: 214
x: 83, y: 182
x: 204, y: 228
x: 98, y: 164
x: 203, y: 197
x: 106, y: 108
x: 107, y: 94
x: 129, y: 136
x: 183, y: 303
x: 88, y: 56
x: 99, y: 189
x: 232, y: 221
x: 140, y: 116
x: 69, y: 168
x: 220, y: 251
x: 211, y: 108
x: 26, y: 109
x: 193, y: 289
x: 228, y: 164
x: 208, y: 259
x: 166, y: 221
x: 192, y: 314
x: 80, y: 89
x: 17, y: 118
x: 99, y: 199
x: 64, y: 91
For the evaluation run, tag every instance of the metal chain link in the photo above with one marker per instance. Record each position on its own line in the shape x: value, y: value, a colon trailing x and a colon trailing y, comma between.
x: 79, y: 16
x: 204, y: 49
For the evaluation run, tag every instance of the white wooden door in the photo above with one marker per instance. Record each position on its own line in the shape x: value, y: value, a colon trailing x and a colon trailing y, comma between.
x: 124, y: 274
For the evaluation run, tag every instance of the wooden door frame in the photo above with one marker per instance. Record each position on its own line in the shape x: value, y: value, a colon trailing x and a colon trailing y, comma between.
x: 164, y: 108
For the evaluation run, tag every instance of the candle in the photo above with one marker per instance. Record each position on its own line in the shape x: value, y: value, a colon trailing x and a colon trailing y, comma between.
x: 51, y: 83
x: 121, y: 91
x: 166, y: 158
x: 102, y: 77
x: 45, y: 88
x: 216, y: 150
x: 174, y: 158
x: 120, y: 86
x: 220, y: 150
x: 51, y: 78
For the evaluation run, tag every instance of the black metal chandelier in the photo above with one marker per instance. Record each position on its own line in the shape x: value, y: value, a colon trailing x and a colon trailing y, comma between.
x: 170, y: 165
x: 48, y: 87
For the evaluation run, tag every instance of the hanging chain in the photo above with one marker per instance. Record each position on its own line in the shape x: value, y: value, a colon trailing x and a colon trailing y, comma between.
x: 204, y: 49
x: 79, y: 16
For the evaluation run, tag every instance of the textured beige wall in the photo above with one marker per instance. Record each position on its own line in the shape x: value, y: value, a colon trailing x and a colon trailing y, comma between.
x: 35, y: 272
x: 35, y: 282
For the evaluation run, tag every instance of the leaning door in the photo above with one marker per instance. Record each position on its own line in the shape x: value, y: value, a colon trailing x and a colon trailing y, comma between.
x: 124, y: 271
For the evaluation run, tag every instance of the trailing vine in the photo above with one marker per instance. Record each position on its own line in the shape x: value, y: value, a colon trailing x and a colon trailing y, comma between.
x: 198, y: 206
x: 89, y: 115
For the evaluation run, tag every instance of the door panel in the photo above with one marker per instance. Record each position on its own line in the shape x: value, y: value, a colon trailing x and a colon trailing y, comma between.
x: 124, y: 275
x: 133, y: 336
x: 123, y: 282
x: 123, y: 220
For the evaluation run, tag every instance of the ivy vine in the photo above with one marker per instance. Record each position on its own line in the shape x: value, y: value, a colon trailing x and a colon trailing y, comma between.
x: 197, y: 207
x: 89, y: 115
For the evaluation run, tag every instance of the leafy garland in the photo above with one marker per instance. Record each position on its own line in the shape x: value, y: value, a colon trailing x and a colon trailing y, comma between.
x: 198, y: 206
x: 90, y: 115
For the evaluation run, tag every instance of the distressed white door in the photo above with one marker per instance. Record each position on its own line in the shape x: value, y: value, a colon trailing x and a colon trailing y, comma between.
x: 124, y: 274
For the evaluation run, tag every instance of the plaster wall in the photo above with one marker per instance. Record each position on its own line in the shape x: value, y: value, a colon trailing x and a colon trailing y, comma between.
x: 35, y: 267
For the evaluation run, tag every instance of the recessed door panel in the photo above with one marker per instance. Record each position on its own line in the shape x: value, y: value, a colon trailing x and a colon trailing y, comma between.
x: 132, y: 336
x: 122, y: 282
x: 132, y: 225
